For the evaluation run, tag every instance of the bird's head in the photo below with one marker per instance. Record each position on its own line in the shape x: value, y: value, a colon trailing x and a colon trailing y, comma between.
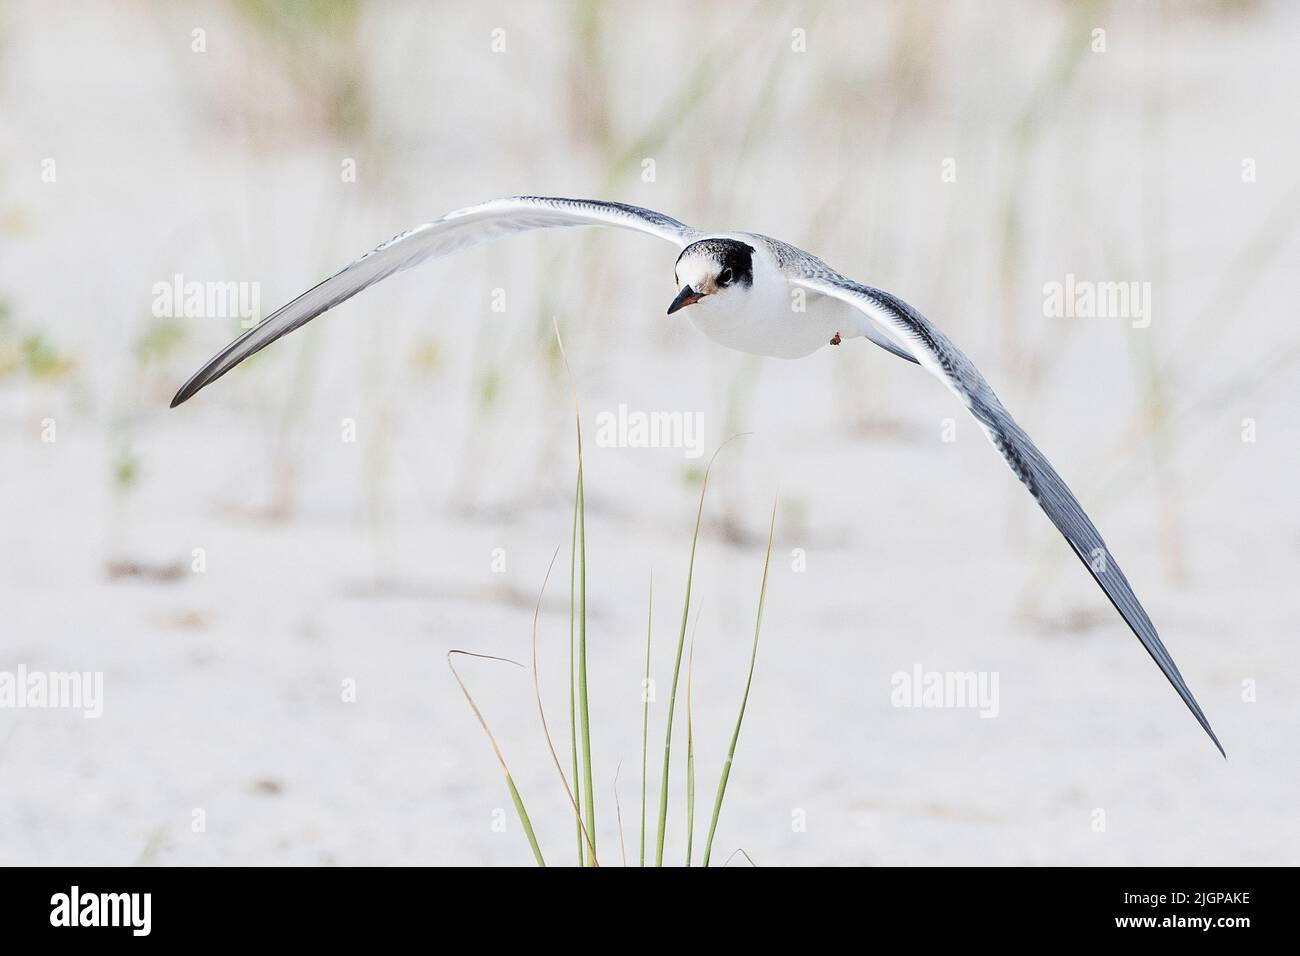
x: 713, y: 270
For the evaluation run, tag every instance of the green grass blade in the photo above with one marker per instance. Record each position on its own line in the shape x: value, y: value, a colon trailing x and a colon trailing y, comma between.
x: 672, y: 696
x: 584, y: 715
x: 690, y: 750
x: 645, y: 710
x: 573, y: 663
x: 735, y: 735
x: 546, y: 729
x: 510, y: 782
x: 677, y: 661
x: 523, y: 818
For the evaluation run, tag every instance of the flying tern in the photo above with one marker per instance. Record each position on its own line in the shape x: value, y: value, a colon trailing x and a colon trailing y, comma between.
x: 755, y: 294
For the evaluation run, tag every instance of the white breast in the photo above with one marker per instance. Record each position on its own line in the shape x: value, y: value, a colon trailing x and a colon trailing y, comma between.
x: 771, y: 317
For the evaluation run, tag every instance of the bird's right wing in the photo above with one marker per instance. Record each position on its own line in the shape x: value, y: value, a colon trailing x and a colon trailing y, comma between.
x: 939, y: 356
x: 453, y: 232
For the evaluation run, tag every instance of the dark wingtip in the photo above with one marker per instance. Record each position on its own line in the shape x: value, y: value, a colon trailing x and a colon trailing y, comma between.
x: 202, y: 378
x: 1222, y: 753
x: 185, y: 393
x: 1201, y: 719
x: 190, y: 388
x: 1205, y: 725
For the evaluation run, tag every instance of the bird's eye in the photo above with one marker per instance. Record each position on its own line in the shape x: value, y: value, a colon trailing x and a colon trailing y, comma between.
x: 725, y: 276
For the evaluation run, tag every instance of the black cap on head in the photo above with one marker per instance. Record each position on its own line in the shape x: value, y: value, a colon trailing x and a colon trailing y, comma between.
x: 735, y: 259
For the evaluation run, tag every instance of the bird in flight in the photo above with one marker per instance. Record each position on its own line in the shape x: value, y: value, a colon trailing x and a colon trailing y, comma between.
x: 755, y: 294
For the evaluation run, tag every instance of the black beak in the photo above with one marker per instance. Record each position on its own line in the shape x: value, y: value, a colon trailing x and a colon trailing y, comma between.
x: 684, y: 298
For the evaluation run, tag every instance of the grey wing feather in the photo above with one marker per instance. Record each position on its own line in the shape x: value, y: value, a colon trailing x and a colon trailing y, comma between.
x: 942, y: 358
x: 885, y: 342
x: 792, y: 260
x: 455, y: 231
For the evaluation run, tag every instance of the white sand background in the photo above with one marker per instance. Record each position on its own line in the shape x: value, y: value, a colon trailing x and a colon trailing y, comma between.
x: 330, y: 561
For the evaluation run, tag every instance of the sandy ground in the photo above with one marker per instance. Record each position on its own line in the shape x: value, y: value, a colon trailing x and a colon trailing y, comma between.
x: 333, y: 563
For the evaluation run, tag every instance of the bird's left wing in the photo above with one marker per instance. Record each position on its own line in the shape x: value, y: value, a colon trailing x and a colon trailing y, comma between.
x: 453, y: 232
x: 937, y: 354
